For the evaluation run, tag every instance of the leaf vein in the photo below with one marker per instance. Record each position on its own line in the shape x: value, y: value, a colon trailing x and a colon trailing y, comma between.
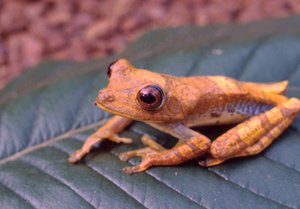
x: 17, y: 193
x: 248, y: 189
x: 251, y: 56
x: 115, y: 155
x: 94, y: 170
x: 56, y: 179
x: 174, y: 189
x: 51, y: 141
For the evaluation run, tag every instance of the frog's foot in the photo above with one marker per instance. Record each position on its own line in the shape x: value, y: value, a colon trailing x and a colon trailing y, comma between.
x: 152, y: 147
x: 93, y: 139
x: 146, y: 163
x: 155, y: 154
x: 147, y: 154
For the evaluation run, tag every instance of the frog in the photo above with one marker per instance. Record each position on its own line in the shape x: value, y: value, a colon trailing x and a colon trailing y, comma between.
x: 174, y: 105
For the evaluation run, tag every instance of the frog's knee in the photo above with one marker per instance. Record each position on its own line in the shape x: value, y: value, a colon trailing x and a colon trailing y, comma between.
x: 295, y: 103
x: 291, y: 108
x: 219, y: 150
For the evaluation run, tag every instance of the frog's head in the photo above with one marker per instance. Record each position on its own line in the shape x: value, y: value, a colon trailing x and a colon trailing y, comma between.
x: 140, y: 94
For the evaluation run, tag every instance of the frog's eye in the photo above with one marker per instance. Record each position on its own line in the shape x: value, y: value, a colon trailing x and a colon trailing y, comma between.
x: 151, y: 97
x: 109, y: 69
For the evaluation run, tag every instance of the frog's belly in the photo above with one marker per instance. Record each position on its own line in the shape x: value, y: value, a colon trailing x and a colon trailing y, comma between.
x: 207, y: 119
x: 229, y: 114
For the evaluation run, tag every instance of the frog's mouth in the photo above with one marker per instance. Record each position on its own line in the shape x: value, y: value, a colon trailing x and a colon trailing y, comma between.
x: 112, y: 111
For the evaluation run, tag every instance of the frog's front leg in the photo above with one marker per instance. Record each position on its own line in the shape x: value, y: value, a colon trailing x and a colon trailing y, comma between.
x: 253, y: 135
x: 192, y: 145
x: 109, y: 131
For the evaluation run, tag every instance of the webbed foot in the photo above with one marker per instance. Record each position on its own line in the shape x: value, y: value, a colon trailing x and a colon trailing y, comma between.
x: 147, y: 154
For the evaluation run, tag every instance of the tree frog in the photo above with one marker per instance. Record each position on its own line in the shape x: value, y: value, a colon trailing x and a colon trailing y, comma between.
x: 174, y: 104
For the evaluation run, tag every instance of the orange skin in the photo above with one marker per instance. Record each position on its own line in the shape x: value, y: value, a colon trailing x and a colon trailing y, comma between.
x: 260, y: 108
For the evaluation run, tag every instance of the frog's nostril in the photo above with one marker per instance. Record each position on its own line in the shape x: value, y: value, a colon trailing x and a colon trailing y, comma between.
x: 109, y: 98
x: 105, y: 97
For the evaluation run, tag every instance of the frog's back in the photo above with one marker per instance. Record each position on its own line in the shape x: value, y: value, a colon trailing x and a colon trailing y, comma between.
x: 229, y: 85
x: 224, y: 100
x: 216, y: 85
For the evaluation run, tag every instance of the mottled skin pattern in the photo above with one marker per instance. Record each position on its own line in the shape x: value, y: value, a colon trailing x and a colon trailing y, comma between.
x: 261, y: 110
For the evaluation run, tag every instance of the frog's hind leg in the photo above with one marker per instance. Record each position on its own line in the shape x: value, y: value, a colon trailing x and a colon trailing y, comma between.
x: 274, y: 88
x: 254, y: 135
x: 254, y: 149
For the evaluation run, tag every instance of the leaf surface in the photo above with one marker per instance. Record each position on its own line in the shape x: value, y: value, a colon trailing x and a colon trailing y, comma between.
x: 48, y: 112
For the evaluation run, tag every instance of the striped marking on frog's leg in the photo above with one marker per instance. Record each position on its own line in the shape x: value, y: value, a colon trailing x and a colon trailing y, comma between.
x: 254, y: 135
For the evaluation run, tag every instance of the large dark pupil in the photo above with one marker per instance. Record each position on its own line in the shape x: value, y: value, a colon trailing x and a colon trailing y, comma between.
x: 148, y: 98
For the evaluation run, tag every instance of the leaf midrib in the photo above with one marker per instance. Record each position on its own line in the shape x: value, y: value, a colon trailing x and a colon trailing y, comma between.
x: 51, y: 141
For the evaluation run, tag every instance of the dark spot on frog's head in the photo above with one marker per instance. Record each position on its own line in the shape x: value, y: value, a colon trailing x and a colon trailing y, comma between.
x: 109, y: 68
x: 119, y: 67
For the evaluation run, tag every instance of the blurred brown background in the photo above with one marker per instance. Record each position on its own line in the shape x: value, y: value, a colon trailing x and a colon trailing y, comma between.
x: 32, y: 30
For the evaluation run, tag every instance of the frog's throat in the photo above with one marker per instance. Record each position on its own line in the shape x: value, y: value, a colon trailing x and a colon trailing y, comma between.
x: 114, y: 112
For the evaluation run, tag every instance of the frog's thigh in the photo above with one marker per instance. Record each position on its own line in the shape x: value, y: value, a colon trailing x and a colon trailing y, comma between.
x: 266, y: 140
x: 253, y: 135
x: 256, y: 148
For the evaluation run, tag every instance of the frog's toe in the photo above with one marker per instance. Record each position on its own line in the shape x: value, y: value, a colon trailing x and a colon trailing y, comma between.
x: 124, y: 156
x: 116, y: 138
x: 208, y: 162
x: 75, y: 157
x: 144, y: 152
x: 149, y: 141
x: 147, y: 154
x: 125, y: 140
x: 130, y: 169
x: 203, y: 163
x: 137, y: 168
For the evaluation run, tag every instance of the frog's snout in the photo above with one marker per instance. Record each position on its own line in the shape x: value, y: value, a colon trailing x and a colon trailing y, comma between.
x: 104, y: 96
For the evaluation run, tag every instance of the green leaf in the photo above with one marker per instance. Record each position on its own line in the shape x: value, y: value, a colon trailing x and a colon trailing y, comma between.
x: 48, y: 112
